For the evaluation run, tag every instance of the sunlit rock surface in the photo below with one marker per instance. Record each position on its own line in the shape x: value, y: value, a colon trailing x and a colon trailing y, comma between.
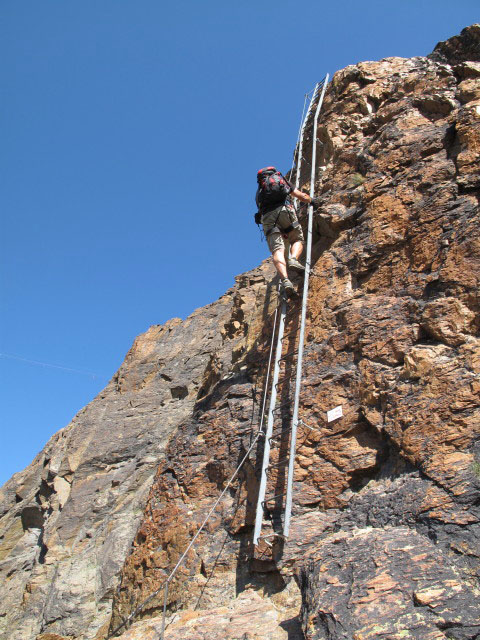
x: 385, y: 531
x: 249, y: 617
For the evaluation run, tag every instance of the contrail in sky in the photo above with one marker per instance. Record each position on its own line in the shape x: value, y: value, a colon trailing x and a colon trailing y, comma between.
x: 52, y: 366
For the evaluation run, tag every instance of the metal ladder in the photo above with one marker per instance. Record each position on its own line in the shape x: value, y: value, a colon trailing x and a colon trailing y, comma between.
x: 280, y: 434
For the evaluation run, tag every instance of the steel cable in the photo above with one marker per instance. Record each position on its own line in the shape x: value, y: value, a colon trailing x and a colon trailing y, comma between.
x: 184, y: 554
x: 260, y: 432
x: 167, y: 582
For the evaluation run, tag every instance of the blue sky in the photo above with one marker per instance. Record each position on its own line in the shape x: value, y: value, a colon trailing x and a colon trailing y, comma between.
x: 131, y: 136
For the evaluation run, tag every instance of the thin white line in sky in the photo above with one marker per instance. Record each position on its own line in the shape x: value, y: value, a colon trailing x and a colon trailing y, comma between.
x: 47, y: 364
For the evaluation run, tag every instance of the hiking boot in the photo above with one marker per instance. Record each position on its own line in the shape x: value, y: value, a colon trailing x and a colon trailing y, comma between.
x: 288, y: 288
x: 294, y: 264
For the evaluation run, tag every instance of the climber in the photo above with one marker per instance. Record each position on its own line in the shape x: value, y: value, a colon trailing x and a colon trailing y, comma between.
x: 279, y: 221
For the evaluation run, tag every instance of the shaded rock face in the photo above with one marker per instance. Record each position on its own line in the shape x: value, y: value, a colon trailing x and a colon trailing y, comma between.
x: 385, y: 531
x: 67, y: 521
x: 459, y: 49
x: 386, y: 583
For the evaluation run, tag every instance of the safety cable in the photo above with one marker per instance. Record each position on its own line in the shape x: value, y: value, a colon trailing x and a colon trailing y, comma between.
x: 297, y: 149
x: 254, y: 307
x: 299, y: 133
x: 265, y: 393
x: 184, y: 554
x: 167, y: 582
x: 260, y: 432
x: 316, y: 98
x: 301, y: 338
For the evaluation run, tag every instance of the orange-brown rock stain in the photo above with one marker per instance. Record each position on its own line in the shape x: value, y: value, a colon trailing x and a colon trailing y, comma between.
x: 393, y: 337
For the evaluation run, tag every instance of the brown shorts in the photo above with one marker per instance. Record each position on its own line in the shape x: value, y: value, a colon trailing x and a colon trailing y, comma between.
x: 281, y: 217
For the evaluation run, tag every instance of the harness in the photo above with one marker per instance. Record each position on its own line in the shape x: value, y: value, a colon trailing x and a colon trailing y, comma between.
x: 284, y: 232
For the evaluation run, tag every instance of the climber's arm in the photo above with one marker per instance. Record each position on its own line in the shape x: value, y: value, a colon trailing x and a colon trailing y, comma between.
x: 300, y: 195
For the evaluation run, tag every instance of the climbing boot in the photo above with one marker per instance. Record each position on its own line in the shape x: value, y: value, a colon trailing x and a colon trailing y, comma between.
x: 297, y: 266
x: 288, y: 288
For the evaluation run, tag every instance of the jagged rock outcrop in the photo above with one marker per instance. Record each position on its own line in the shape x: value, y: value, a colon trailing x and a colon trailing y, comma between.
x: 386, y: 527
x: 249, y: 617
x: 68, y: 520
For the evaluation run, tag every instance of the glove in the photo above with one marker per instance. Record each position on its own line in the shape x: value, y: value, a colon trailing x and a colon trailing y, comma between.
x: 315, y: 202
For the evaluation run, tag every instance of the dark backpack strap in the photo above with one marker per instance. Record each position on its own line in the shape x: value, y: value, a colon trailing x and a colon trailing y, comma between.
x: 292, y: 188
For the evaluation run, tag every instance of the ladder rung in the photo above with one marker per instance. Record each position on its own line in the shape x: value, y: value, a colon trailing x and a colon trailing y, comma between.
x: 279, y: 430
x: 289, y: 355
x: 281, y: 406
x: 279, y: 463
x: 278, y: 495
x: 289, y: 333
x: 282, y: 380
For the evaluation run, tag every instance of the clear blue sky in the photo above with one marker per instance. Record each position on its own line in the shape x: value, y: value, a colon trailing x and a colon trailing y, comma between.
x: 131, y: 135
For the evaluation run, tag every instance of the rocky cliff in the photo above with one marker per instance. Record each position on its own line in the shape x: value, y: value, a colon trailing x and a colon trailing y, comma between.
x: 385, y: 531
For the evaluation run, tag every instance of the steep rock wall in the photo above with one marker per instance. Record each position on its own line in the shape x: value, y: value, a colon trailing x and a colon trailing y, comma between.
x: 68, y: 520
x: 386, y: 519
x: 385, y: 532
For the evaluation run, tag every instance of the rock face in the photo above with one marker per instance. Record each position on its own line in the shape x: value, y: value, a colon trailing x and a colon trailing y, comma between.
x: 249, y: 617
x: 68, y: 520
x: 386, y: 583
x: 386, y: 525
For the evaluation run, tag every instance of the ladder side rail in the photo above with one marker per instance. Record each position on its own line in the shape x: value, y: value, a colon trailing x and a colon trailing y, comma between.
x: 267, y: 378
x: 299, y: 137
x: 298, y: 381
x: 302, y: 131
x: 269, y: 429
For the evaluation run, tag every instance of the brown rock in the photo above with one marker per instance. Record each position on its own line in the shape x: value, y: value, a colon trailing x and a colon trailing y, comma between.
x: 386, y: 520
x: 448, y: 320
x: 392, y: 326
x: 404, y: 590
x: 469, y: 90
x: 248, y: 617
x: 461, y: 48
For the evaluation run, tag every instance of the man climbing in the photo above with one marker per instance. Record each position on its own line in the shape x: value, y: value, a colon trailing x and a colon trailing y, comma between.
x: 279, y: 221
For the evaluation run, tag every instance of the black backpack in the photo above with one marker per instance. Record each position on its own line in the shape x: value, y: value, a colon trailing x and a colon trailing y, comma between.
x: 272, y: 187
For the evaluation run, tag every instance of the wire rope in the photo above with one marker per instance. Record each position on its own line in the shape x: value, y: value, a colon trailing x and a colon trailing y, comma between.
x: 260, y: 432
x: 184, y: 554
x: 299, y: 133
x: 172, y: 574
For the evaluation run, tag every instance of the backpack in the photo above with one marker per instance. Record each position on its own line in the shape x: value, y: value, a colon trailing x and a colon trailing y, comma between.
x: 272, y: 187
